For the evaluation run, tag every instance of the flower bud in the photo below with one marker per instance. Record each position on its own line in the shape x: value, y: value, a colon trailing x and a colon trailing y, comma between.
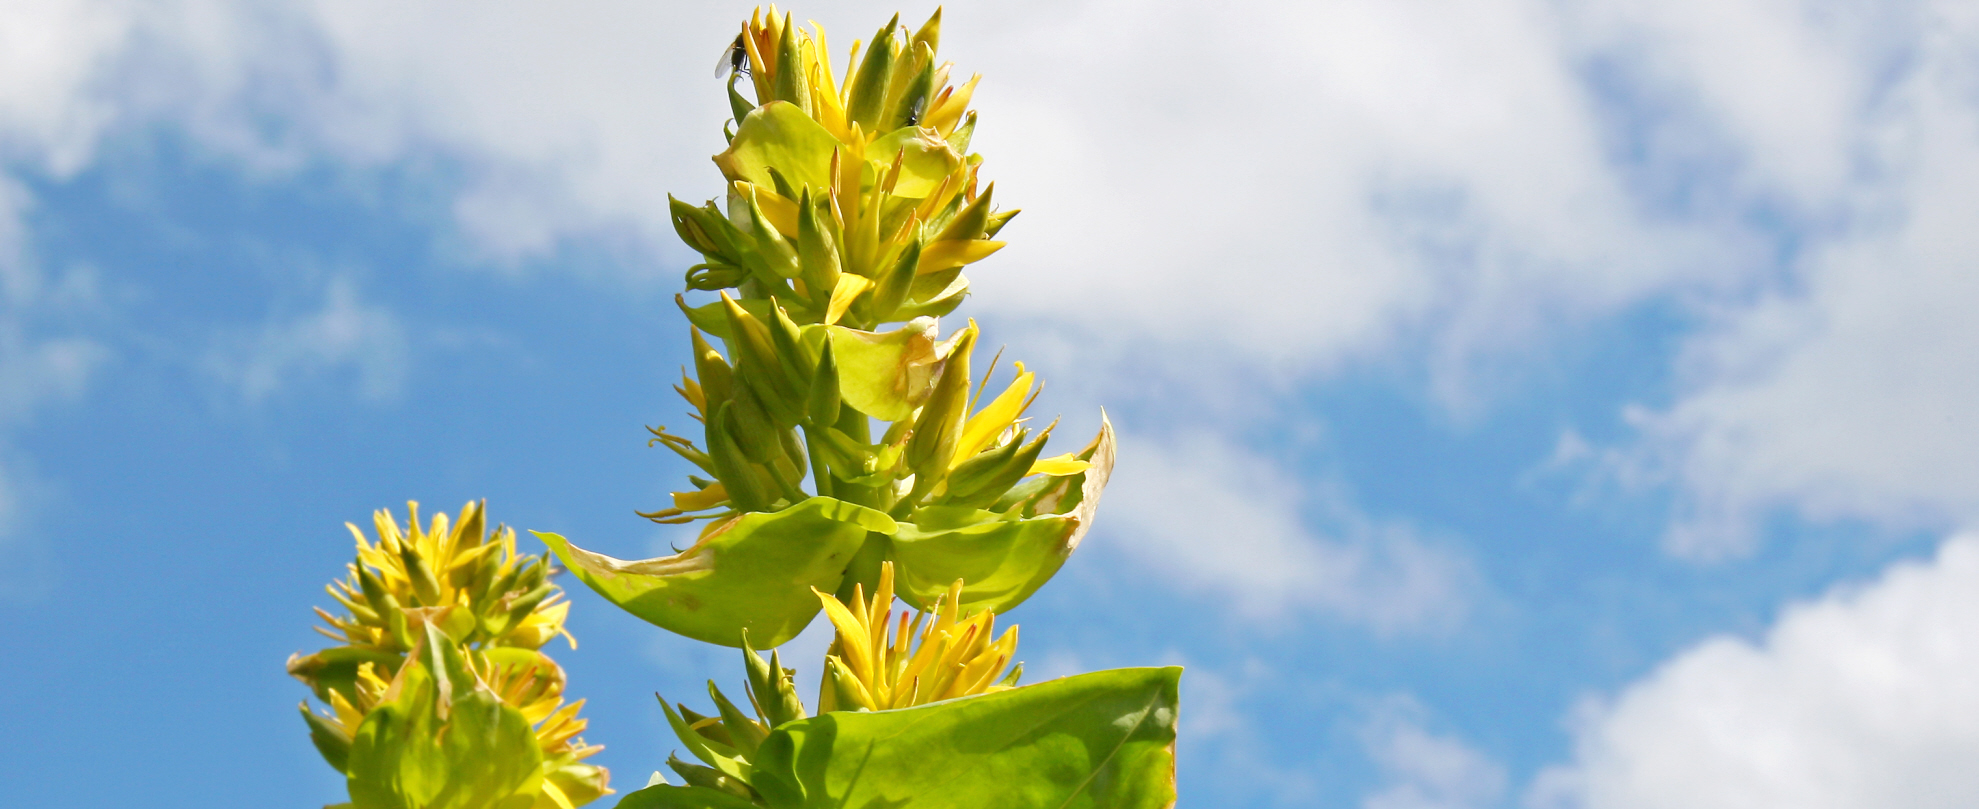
x: 822, y: 407
x: 711, y: 370
x: 744, y: 734
x: 731, y: 467
x: 759, y: 364
x: 778, y: 254
x: 789, y: 79
x: 896, y: 283
x: 940, y: 422
x: 817, y: 252
x: 875, y: 74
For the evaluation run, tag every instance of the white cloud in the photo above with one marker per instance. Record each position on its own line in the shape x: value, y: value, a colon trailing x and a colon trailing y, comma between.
x: 345, y: 333
x: 1846, y: 392
x: 1863, y: 698
x: 53, y: 53
x: 1346, y: 179
x: 1353, y: 177
x: 1426, y: 770
x: 1450, y: 184
x: 1214, y: 519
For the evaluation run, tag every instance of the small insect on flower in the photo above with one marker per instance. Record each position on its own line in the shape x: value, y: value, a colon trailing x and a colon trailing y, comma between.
x: 735, y: 59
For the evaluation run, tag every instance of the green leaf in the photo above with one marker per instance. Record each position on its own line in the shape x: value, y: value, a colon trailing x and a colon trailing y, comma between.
x: 713, y: 317
x: 885, y: 374
x: 720, y: 756
x: 925, y: 159
x: 423, y: 751
x: 335, y: 669
x: 754, y: 572
x: 1001, y: 561
x: 490, y: 750
x: 779, y: 134
x: 663, y: 796
x: 1104, y: 740
x: 329, y: 737
x: 581, y: 783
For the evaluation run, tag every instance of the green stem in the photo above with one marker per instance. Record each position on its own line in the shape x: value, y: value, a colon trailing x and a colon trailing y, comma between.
x: 821, y: 477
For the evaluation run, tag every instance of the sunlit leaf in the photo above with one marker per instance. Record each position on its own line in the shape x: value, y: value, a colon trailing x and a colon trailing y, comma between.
x: 1103, y: 740
x: 779, y: 134
x: 665, y: 796
x: 925, y: 159
x: 1001, y: 561
x: 885, y: 374
x: 752, y: 572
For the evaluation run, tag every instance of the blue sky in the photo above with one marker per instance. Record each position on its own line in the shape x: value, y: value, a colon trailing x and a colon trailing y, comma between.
x: 1522, y: 405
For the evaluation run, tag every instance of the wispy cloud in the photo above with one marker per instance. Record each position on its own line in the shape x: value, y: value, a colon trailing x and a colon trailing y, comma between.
x: 1422, y: 769
x: 44, y: 360
x: 1863, y: 698
x: 344, y: 334
x: 1846, y: 391
x: 1218, y: 520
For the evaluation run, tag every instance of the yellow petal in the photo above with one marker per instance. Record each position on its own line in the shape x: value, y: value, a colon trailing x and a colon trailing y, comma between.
x: 850, y: 630
x: 951, y: 254
x: 948, y: 113
x: 849, y: 288
x: 705, y: 498
x: 347, y: 715
x: 556, y: 795
x: 1059, y: 466
x: 879, y: 613
x: 821, y: 51
x: 988, y: 423
x: 777, y: 208
x: 691, y: 391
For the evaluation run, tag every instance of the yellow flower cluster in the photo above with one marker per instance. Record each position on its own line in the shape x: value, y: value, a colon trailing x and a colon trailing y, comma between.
x: 466, y: 580
x: 464, y: 585
x: 855, y: 202
x: 876, y: 663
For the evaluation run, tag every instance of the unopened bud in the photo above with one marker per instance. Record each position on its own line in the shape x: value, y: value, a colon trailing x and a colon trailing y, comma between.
x: 737, y: 478
x: 971, y: 221
x: 940, y: 423
x: 875, y: 74
x: 744, y: 733
x: 780, y: 256
x: 822, y: 406
x: 816, y: 251
x: 896, y: 283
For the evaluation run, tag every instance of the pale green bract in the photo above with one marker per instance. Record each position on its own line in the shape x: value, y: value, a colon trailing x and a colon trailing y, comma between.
x: 752, y: 573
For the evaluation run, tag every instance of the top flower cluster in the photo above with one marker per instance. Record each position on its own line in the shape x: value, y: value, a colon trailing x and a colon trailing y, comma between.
x: 853, y: 203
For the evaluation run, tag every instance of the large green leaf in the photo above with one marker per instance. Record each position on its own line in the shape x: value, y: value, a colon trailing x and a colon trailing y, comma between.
x: 664, y: 796
x: 755, y: 572
x: 1104, y: 740
x: 1001, y: 561
x: 781, y: 135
